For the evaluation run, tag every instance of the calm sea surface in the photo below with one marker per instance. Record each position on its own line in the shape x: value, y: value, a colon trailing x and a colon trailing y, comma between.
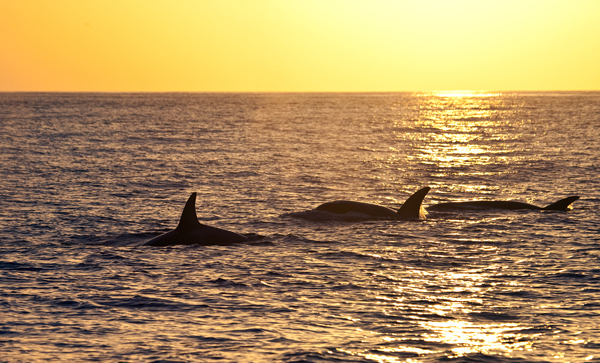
x: 87, y: 178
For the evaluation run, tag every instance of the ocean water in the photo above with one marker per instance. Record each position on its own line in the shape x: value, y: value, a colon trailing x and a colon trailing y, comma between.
x: 87, y: 178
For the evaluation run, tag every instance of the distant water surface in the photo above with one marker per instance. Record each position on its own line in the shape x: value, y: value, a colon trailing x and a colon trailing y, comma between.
x: 87, y: 178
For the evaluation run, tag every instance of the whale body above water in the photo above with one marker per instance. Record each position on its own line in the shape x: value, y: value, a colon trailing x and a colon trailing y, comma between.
x: 561, y: 205
x: 411, y: 209
x: 190, y: 231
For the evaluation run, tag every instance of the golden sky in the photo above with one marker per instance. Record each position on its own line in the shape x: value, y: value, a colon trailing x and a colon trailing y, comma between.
x: 299, y: 45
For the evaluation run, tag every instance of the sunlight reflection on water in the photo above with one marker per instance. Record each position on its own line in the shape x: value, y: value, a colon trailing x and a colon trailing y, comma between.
x: 461, y: 126
x: 477, y: 338
x: 81, y: 190
x: 461, y: 134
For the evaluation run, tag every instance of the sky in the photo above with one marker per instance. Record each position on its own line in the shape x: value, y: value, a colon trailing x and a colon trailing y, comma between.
x: 298, y: 45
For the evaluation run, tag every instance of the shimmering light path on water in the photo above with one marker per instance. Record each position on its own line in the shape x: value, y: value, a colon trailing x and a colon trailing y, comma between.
x: 87, y: 178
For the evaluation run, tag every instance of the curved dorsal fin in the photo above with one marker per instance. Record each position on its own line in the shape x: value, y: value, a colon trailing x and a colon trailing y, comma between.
x: 562, y: 204
x: 412, y: 207
x: 189, y: 219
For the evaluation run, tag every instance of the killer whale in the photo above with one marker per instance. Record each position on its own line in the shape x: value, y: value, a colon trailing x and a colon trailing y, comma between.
x: 561, y: 205
x: 411, y: 209
x: 190, y: 231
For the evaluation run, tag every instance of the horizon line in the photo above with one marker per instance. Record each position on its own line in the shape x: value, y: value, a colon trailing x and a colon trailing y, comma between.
x: 316, y: 92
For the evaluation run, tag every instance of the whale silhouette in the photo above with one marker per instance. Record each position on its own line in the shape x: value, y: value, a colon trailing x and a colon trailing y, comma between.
x: 412, y: 208
x: 190, y: 231
x: 561, y: 205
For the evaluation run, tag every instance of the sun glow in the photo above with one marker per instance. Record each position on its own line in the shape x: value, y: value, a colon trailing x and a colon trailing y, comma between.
x: 298, y: 45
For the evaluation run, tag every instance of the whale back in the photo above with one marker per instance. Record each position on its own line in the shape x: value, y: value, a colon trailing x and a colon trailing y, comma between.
x: 562, y: 204
x: 413, y: 207
x: 189, y: 219
x: 190, y: 231
x: 347, y: 206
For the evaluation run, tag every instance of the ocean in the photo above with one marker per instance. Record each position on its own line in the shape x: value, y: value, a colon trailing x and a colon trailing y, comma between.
x: 87, y: 178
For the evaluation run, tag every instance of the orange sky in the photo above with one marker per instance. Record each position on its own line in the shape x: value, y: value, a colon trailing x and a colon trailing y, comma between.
x: 298, y: 45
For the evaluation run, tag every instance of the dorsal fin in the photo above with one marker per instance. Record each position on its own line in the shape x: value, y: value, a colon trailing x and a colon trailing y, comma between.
x: 189, y: 219
x: 562, y: 204
x: 412, y: 208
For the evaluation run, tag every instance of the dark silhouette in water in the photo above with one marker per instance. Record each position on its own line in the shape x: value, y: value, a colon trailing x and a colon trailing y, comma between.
x: 412, y: 208
x: 561, y: 205
x: 190, y: 231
